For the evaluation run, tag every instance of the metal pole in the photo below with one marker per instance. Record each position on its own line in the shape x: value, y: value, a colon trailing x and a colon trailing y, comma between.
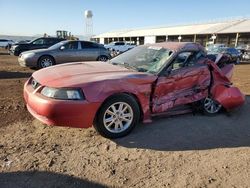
x: 195, y: 38
x: 236, y: 40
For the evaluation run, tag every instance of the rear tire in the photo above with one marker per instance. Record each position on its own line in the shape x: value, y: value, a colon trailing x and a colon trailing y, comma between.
x: 102, y: 58
x: 117, y: 116
x: 45, y: 61
x: 210, y: 106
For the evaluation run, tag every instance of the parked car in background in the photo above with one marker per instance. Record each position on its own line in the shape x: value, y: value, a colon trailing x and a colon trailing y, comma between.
x: 142, y: 83
x: 234, y: 54
x: 4, y: 43
x: 40, y: 43
x: 16, y: 43
x: 244, y: 51
x: 120, y: 46
x: 64, y: 52
x: 246, y: 55
x: 214, y: 47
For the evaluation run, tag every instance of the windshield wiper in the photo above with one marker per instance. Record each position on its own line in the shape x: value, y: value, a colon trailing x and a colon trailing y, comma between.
x: 142, y: 70
x: 123, y: 64
x: 128, y: 66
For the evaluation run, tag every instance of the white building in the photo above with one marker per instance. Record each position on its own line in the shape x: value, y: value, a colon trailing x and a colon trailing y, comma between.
x: 230, y: 32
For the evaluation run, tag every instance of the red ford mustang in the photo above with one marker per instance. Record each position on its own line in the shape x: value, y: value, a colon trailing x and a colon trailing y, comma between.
x: 147, y: 81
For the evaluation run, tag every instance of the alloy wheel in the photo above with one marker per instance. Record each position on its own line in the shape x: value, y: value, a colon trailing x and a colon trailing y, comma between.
x: 46, y: 62
x: 102, y: 58
x: 118, y: 117
x: 211, y: 106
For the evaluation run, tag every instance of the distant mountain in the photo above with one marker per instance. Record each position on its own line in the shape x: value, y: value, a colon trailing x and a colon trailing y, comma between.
x: 17, y: 38
x: 37, y: 36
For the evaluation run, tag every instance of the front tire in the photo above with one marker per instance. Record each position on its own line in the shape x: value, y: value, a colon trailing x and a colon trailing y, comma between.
x: 45, y: 61
x: 117, y: 117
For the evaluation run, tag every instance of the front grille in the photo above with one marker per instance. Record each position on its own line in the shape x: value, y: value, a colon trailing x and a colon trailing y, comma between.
x: 34, y: 83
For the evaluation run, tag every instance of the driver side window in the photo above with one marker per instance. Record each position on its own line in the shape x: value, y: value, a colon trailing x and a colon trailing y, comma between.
x: 71, y: 45
x: 181, y: 60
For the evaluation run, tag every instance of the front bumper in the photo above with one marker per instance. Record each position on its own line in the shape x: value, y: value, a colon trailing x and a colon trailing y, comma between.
x: 26, y: 62
x: 78, y: 114
x: 13, y: 51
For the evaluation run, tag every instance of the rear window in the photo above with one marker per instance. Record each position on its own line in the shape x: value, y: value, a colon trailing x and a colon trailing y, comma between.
x: 89, y: 45
x: 71, y: 45
x: 119, y: 43
x: 49, y: 41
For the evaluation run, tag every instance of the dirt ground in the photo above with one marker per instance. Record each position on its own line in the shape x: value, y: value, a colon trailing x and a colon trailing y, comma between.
x: 181, y: 151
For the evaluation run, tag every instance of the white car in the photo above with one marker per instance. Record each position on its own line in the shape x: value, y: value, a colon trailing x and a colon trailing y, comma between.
x: 246, y: 56
x: 4, y: 43
x: 120, y: 46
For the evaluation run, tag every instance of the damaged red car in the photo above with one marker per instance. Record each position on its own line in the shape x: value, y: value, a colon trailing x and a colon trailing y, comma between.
x: 147, y: 81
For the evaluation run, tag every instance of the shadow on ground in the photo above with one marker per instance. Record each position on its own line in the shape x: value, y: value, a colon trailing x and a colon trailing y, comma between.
x: 245, y: 63
x: 12, y: 75
x: 193, y: 132
x: 4, y: 53
x: 36, y: 179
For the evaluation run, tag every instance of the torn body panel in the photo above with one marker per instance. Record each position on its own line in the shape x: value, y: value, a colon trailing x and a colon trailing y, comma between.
x: 185, y: 86
x: 137, y: 85
x: 222, y: 90
x: 228, y: 71
x: 229, y: 97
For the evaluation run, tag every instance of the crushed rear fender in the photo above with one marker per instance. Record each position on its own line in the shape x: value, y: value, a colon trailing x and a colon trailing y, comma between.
x: 222, y: 91
x: 229, y: 97
x: 228, y: 71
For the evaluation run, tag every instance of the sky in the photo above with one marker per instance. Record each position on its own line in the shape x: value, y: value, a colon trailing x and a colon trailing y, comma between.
x: 32, y: 17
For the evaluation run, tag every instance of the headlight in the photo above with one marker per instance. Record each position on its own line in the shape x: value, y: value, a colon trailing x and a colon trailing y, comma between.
x: 27, y: 55
x: 63, y: 94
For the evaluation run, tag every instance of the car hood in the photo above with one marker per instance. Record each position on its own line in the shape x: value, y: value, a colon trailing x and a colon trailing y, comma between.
x: 21, y: 44
x: 36, y: 51
x: 82, y: 73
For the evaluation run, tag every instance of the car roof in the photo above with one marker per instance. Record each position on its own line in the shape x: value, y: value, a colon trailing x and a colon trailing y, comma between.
x: 179, y: 46
x: 51, y: 38
x: 229, y: 48
x: 219, y: 44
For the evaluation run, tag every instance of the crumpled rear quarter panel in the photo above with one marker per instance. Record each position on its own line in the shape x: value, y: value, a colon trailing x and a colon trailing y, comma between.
x: 228, y: 97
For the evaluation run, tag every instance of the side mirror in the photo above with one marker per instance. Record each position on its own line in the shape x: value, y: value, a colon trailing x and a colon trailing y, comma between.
x: 62, y: 48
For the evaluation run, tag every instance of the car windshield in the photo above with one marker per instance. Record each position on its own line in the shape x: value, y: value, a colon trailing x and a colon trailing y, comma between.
x: 31, y: 41
x: 57, y: 45
x: 143, y: 58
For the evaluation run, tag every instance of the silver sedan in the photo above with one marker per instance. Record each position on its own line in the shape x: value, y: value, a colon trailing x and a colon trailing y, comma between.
x: 64, y: 52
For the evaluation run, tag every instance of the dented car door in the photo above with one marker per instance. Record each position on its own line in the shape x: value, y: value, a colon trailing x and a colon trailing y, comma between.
x: 185, y: 82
